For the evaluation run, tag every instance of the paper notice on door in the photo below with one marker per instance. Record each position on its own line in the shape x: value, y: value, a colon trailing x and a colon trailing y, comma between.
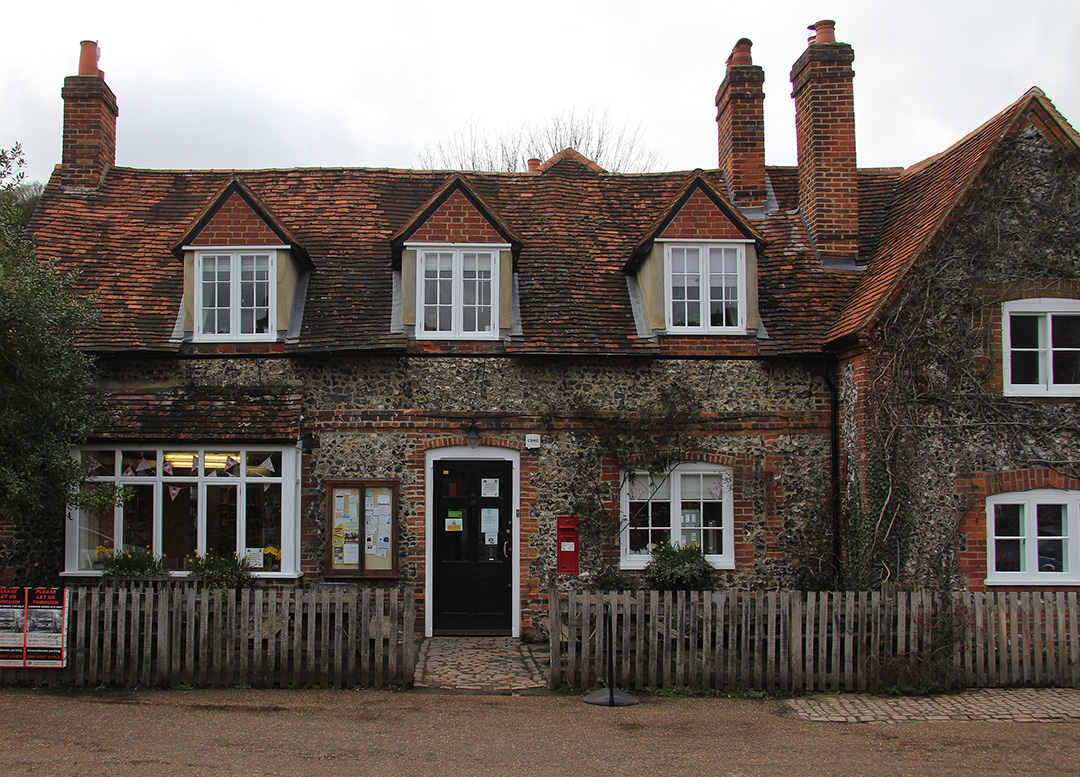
x: 489, y: 486
x: 453, y: 524
x: 491, y: 538
x: 489, y: 519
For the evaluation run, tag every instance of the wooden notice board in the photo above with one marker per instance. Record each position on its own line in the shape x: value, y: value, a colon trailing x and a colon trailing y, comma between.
x: 362, y: 528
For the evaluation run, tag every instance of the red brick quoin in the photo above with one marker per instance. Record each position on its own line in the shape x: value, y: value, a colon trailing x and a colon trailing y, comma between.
x: 976, y: 488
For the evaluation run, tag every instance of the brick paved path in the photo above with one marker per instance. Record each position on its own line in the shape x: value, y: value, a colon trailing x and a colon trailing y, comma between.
x: 478, y: 664
x: 1020, y: 705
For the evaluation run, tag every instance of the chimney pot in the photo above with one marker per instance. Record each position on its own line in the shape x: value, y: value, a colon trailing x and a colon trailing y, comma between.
x: 88, y: 58
x: 740, y: 55
x: 534, y: 165
x: 824, y: 31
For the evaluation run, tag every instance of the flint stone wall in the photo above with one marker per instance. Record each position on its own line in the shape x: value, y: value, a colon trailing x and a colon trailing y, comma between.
x: 374, y: 417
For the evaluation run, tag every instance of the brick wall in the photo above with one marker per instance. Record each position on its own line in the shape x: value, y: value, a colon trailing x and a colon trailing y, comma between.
x: 236, y: 224
x: 699, y: 218
x: 825, y: 132
x: 89, y: 141
x: 456, y: 221
x: 740, y: 120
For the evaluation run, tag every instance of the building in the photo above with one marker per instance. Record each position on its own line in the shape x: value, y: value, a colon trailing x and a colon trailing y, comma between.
x: 382, y: 377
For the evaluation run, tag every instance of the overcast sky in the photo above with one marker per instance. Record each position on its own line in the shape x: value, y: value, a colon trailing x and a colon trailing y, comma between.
x: 370, y: 84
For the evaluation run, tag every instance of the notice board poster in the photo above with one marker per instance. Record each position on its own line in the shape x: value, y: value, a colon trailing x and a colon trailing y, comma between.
x: 33, y: 627
x: 362, y: 532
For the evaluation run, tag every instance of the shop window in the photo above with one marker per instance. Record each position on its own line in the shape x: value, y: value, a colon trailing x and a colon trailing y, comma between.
x: 182, y: 501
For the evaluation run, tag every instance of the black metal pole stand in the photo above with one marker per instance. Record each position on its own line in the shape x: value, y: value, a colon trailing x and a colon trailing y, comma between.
x: 611, y: 696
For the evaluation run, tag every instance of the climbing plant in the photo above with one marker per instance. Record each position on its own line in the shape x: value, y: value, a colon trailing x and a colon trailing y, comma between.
x: 652, y: 436
x: 935, y: 407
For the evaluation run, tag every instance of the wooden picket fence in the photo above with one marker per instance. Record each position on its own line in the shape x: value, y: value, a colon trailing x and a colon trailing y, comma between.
x: 170, y: 635
x: 791, y: 641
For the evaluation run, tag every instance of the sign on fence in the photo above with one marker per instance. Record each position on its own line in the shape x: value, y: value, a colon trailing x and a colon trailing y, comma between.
x: 33, y: 627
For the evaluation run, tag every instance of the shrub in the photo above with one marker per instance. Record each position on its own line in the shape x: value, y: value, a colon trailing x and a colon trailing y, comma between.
x: 220, y: 571
x: 133, y: 562
x: 676, y: 567
x: 611, y: 579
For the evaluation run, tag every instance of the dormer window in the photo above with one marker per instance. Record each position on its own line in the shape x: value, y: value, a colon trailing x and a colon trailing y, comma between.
x: 235, y: 294
x: 706, y: 287
x: 457, y: 291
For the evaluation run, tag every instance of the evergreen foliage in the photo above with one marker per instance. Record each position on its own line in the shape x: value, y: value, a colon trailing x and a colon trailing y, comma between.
x: 45, y: 403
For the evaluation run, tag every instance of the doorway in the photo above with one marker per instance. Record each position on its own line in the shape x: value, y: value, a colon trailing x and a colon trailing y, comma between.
x: 472, y: 546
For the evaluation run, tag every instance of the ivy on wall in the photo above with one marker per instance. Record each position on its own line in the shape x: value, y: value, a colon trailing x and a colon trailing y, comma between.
x: 935, y: 408
x: 652, y: 436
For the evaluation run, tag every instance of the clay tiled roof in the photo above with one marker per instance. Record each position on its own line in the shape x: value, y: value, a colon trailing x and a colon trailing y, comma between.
x: 191, y: 416
x: 575, y: 230
x: 926, y: 196
x: 576, y: 224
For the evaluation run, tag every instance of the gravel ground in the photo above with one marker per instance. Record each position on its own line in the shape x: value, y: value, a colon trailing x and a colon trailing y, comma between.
x: 373, y: 733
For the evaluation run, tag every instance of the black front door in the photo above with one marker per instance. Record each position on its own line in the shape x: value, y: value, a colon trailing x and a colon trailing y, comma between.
x: 472, y: 547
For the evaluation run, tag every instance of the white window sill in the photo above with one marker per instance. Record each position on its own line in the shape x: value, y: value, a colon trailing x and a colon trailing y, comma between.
x: 635, y: 563
x: 234, y: 340
x: 184, y: 575
x: 1040, y: 392
x: 706, y: 332
x: 471, y: 336
x: 1021, y: 579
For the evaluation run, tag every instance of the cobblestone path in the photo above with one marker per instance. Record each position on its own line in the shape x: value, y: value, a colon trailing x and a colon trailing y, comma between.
x: 494, y: 664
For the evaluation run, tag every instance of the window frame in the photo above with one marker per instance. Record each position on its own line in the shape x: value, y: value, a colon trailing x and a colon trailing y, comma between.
x: 458, y: 250
x: 235, y: 254
x: 725, y: 560
x: 703, y: 278
x: 1029, y: 537
x: 160, y: 481
x: 1045, y: 308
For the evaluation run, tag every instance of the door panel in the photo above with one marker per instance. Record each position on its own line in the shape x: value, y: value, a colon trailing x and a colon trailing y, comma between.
x: 472, y: 547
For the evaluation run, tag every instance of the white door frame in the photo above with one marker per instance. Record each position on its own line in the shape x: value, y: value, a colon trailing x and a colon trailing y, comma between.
x: 480, y: 453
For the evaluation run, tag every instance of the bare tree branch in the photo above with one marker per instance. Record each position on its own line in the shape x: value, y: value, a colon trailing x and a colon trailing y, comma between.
x: 593, y: 135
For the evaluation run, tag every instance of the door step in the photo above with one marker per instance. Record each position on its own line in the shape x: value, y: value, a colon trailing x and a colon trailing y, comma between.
x: 473, y: 663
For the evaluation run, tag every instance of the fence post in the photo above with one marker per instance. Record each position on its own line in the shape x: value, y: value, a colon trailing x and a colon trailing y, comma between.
x: 410, y: 636
x: 554, y: 638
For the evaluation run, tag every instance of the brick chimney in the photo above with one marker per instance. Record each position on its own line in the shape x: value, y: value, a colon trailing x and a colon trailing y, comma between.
x: 821, y: 81
x: 740, y: 124
x: 89, y: 122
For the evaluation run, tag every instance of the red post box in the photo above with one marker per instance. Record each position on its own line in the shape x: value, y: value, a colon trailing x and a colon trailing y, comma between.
x: 567, y: 545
